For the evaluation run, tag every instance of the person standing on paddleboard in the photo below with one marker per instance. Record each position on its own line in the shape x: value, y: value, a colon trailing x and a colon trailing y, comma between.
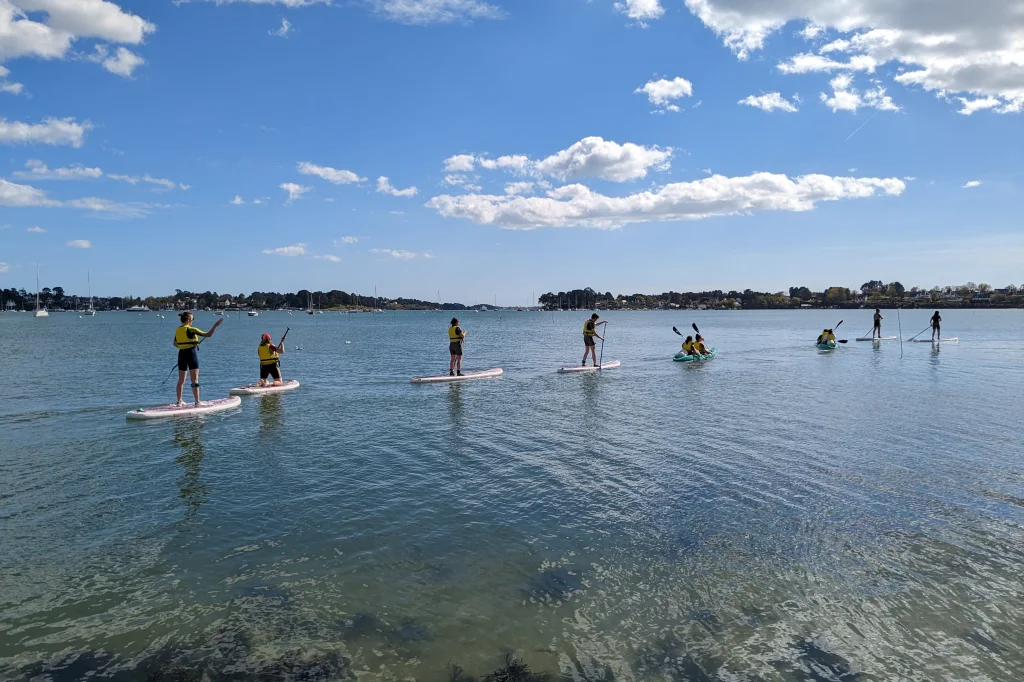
x: 270, y: 365
x: 187, y: 339
x: 936, y: 326
x: 456, y: 335
x: 878, y: 324
x: 589, y: 334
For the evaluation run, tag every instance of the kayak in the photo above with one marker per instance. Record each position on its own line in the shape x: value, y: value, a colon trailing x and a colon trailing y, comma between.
x: 827, y: 346
x: 189, y: 408
x: 682, y: 357
x: 253, y: 389
x: 881, y: 338
x: 469, y: 376
x: 590, y: 368
x: 952, y: 339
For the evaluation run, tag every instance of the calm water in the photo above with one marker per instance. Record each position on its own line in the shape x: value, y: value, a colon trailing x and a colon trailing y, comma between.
x: 778, y: 513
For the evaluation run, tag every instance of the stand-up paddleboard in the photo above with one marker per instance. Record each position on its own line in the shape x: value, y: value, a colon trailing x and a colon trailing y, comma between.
x: 468, y: 376
x: 188, y: 408
x: 590, y: 368
x: 880, y: 338
x: 952, y: 339
x: 253, y: 389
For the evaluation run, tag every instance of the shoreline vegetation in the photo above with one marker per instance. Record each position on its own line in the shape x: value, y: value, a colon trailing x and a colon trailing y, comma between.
x: 873, y: 294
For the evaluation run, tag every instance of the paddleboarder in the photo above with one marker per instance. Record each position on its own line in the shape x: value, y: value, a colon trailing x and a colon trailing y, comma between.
x: 878, y: 324
x: 456, y: 335
x: 936, y: 326
x: 187, y: 339
x: 589, y: 334
x: 270, y: 364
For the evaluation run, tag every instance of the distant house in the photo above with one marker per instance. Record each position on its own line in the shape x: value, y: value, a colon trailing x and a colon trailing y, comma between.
x: 1002, y: 291
x: 980, y: 298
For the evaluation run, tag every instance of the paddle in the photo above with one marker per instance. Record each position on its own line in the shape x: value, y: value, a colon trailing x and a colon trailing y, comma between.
x: 215, y: 325
x: 601, y: 361
x: 919, y: 333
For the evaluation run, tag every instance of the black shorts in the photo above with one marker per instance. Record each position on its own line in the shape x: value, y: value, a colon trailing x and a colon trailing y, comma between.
x: 270, y: 371
x: 455, y: 348
x: 188, y: 358
x: 588, y: 341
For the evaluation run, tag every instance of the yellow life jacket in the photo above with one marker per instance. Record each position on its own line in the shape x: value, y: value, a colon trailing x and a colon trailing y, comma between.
x: 699, y: 348
x: 267, y: 356
x: 589, y: 329
x: 831, y: 338
x: 688, y: 346
x: 186, y: 337
x: 453, y: 335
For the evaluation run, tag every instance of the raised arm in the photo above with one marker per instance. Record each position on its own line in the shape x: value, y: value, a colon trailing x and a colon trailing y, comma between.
x: 214, y: 327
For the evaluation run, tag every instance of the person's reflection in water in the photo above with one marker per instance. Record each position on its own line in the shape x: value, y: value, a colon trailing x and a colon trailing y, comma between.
x: 270, y: 414
x: 591, y: 403
x: 455, y: 410
x: 188, y: 435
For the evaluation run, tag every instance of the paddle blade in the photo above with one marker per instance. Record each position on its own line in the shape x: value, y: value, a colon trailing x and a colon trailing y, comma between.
x: 677, y: 331
x: 694, y: 325
x: 843, y: 340
x: 838, y: 325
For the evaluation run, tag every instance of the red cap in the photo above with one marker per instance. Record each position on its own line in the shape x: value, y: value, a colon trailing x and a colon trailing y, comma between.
x: 266, y: 337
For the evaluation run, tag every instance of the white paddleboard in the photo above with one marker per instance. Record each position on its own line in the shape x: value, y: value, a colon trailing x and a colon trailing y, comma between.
x: 188, y: 408
x: 953, y: 339
x: 486, y: 374
x: 881, y: 338
x: 590, y: 368
x: 253, y: 389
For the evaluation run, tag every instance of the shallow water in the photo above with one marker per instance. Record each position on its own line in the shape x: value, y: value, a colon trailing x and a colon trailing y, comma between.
x: 779, y: 513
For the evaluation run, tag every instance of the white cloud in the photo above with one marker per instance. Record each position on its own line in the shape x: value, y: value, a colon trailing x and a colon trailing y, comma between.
x: 37, y: 170
x: 577, y: 205
x: 812, y: 31
x: 847, y: 98
x: 328, y: 257
x: 332, y: 175
x: 952, y: 47
x: 6, y: 85
x: 455, y: 179
x: 513, y: 188
x: 283, y: 30
x: 399, y: 254
x: 111, y: 209
x: 346, y: 240
x: 4, y: 267
x: 460, y: 163
x: 79, y: 244
x: 294, y: 191
x: 661, y: 92
x: 47, y: 29
x: 123, y: 62
x: 261, y: 200
x: 148, y: 179
x: 435, y: 11
x: 516, y: 163
x: 290, y: 251
x: 36, y: 230
x: 293, y: 4
x: 53, y: 131
x: 973, y: 105
x: 13, y: 194
x: 384, y: 186
x: 608, y: 160
x: 972, y: 184
x: 641, y: 10
x: 397, y: 212
x: 238, y: 200
x: 769, y: 102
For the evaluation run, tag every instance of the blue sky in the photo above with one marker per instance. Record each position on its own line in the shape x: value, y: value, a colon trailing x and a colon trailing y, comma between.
x: 638, y: 146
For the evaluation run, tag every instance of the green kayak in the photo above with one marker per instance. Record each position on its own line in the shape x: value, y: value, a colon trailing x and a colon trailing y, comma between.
x: 682, y: 357
x: 827, y: 346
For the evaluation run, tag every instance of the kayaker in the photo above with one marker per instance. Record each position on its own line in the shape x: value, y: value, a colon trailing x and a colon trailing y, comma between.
x: 456, y: 335
x: 698, y: 346
x: 589, y: 334
x: 688, y: 346
x: 187, y: 339
x: 827, y: 337
x: 936, y: 325
x: 270, y: 365
x: 878, y: 324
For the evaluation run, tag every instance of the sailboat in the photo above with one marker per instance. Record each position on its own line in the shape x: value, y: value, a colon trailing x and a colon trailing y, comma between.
x: 376, y: 301
x: 91, y: 311
x: 309, y: 309
x: 40, y: 312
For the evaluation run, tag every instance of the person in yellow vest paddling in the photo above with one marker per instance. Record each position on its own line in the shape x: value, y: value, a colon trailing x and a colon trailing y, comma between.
x: 456, y: 335
x: 270, y: 365
x: 187, y: 339
x: 589, y: 334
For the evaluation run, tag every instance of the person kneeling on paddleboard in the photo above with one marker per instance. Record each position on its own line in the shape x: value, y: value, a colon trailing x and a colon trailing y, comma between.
x: 698, y: 346
x: 456, y: 335
x: 688, y: 346
x: 187, y: 339
x: 589, y: 334
x: 270, y: 365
